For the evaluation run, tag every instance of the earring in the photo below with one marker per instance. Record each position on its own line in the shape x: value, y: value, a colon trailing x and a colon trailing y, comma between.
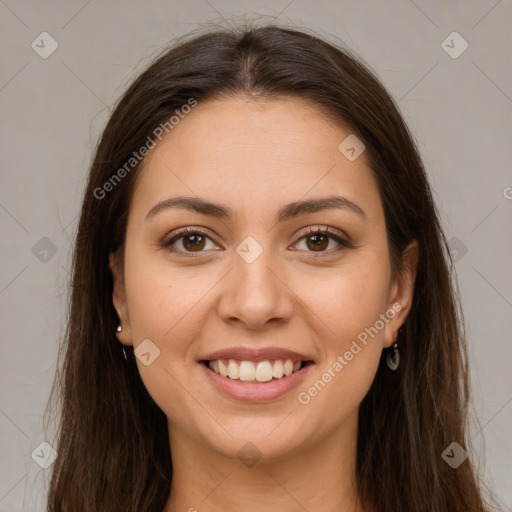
x: 393, y: 357
x: 119, y: 329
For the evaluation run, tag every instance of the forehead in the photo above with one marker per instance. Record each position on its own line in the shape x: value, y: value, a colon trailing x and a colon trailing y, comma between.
x: 255, y: 155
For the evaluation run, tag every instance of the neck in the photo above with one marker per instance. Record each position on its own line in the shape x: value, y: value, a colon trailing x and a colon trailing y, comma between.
x: 319, y: 477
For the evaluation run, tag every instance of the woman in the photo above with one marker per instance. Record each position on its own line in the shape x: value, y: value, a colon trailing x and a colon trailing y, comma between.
x: 262, y: 314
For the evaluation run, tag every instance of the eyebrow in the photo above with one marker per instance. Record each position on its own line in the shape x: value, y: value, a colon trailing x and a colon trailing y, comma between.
x: 288, y: 211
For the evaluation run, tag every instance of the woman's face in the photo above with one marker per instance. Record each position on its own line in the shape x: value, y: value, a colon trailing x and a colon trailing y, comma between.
x: 258, y: 278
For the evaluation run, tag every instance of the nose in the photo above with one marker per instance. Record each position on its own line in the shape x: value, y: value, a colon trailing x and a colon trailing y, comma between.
x: 255, y: 294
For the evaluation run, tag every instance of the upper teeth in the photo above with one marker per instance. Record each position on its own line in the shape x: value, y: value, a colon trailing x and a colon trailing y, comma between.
x: 262, y: 371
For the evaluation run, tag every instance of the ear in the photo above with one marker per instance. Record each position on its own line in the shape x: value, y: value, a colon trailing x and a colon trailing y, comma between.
x: 119, y: 301
x: 401, y: 293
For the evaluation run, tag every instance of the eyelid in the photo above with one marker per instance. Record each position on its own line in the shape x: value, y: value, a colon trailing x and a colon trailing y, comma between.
x: 188, y: 230
x: 341, y: 238
x: 323, y: 229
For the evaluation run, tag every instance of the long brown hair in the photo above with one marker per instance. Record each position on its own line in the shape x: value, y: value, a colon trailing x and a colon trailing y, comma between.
x: 113, y: 448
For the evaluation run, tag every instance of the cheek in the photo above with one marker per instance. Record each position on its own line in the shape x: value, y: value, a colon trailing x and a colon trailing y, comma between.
x: 349, y: 300
x: 350, y: 307
x: 350, y: 303
x: 164, y: 304
x: 162, y: 299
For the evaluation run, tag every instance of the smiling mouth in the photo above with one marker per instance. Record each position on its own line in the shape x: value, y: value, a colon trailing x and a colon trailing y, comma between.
x: 261, y: 371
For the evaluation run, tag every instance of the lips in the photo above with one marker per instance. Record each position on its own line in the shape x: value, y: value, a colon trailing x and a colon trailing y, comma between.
x: 255, y: 392
x: 255, y: 375
x: 256, y: 355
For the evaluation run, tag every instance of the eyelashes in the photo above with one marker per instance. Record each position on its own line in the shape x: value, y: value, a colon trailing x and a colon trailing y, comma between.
x: 199, y: 235
x: 196, y: 239
x: 326, y: 233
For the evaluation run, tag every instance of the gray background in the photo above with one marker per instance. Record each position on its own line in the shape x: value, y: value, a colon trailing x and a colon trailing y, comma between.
x: 53, y: 109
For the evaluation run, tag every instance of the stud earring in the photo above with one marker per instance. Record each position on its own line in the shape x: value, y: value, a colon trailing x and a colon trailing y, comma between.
x: 393, y: 357
x: 119, y: 328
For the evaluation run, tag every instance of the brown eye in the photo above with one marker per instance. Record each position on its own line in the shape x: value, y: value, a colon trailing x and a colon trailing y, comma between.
x: 187, y: 241
x: 318, y: 240
x: 193, y: 242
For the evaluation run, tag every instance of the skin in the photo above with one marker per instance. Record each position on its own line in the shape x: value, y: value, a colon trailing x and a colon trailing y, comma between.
x: 255, y: 156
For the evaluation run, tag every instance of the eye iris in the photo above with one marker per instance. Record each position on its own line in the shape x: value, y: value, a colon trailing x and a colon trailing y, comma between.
x: 195, y: 241
x: 197, y: 244
x: 318, y: 244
